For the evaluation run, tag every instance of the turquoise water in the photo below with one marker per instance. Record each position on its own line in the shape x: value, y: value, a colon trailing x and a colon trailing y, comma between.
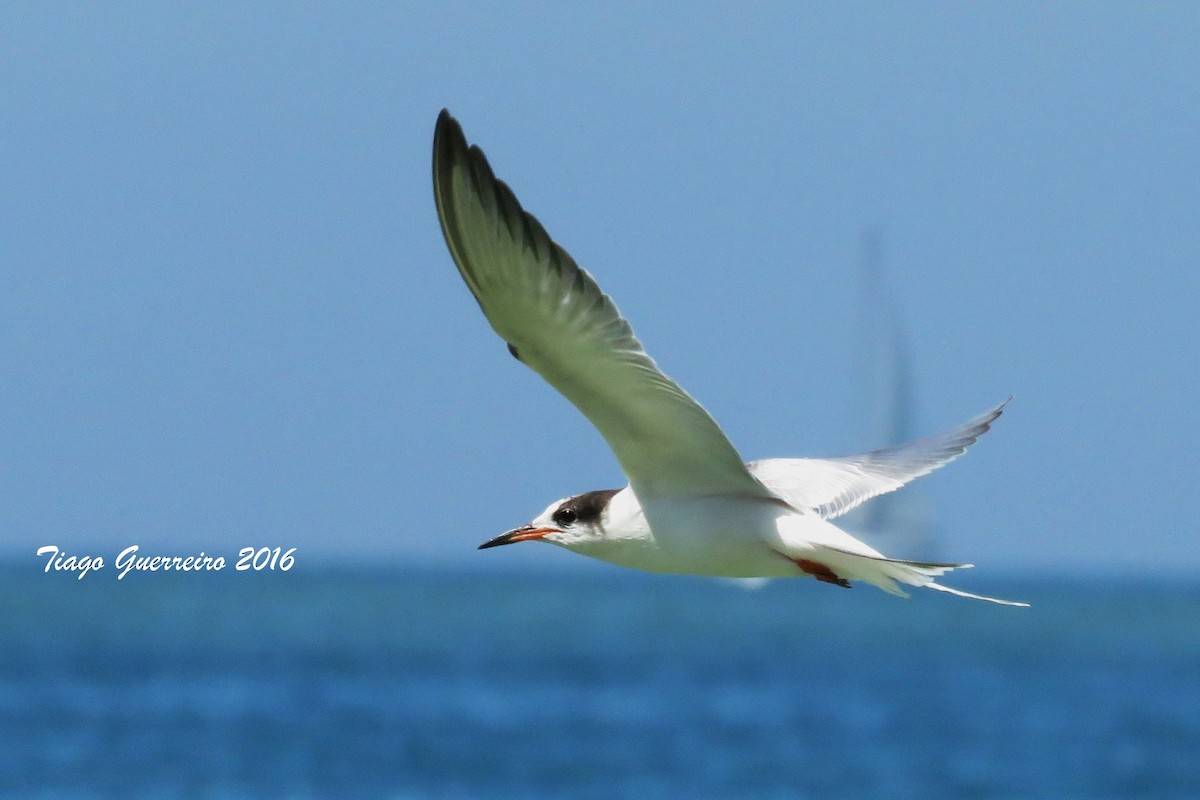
x: 607, y: 684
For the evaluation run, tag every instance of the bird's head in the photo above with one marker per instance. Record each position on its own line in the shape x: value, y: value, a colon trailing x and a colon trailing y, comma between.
x: 573, y: 522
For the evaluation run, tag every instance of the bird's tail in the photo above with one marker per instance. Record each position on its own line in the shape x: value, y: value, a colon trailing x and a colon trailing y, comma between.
x: 886, y: 573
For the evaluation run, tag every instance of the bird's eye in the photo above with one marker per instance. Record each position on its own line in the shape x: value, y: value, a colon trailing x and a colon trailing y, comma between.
x: 565, y: 517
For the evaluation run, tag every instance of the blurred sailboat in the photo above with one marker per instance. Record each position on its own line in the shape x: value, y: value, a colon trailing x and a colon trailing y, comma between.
x: 899, y: 522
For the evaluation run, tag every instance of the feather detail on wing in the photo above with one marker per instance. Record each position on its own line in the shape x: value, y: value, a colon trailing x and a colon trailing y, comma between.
x: 557, y: 321
x: 833, y: 486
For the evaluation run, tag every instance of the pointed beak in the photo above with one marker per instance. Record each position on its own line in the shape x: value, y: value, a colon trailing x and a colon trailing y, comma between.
x: 521, y: 534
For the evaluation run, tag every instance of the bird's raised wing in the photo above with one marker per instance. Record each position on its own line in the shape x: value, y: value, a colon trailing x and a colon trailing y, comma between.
x: 833, y: 486
x: 557, y: 321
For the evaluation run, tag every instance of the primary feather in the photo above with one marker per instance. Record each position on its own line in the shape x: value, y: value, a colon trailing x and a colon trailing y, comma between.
x: 833, y: 486
x: 557, y: 321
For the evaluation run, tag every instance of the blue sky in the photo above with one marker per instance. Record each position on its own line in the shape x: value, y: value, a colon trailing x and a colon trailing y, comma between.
x: 227, y: 317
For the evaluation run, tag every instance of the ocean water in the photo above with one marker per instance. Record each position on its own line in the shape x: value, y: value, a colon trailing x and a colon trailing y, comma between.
x: 608, y: 684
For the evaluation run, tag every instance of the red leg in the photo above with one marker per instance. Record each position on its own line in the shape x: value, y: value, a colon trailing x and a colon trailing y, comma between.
x: 818, y: 570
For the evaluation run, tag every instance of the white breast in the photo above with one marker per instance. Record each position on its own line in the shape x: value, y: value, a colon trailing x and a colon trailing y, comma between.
x: 725, y: 536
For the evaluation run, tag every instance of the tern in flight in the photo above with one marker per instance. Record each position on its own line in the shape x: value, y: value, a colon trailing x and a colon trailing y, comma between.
x: 692, y: 505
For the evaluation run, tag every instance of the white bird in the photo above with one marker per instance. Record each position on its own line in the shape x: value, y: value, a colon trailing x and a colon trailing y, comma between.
x: 692, y: 505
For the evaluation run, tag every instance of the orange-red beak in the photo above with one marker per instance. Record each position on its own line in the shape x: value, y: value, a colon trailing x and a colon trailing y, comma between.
x: 521, y: 534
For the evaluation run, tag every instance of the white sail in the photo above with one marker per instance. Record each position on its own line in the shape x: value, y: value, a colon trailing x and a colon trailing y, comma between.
x: 900, y: 522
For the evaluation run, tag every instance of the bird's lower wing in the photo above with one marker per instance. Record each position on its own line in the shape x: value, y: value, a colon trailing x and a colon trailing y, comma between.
x: 833, y: 486
x: 557, y: 321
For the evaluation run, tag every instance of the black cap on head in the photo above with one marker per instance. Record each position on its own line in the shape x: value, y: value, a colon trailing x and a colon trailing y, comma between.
x: 586, y: 507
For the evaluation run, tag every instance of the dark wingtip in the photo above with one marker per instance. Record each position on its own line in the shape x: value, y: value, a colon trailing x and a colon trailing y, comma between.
x: 447, y: 137
x: 996, y: 412
x: 445, y: 118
